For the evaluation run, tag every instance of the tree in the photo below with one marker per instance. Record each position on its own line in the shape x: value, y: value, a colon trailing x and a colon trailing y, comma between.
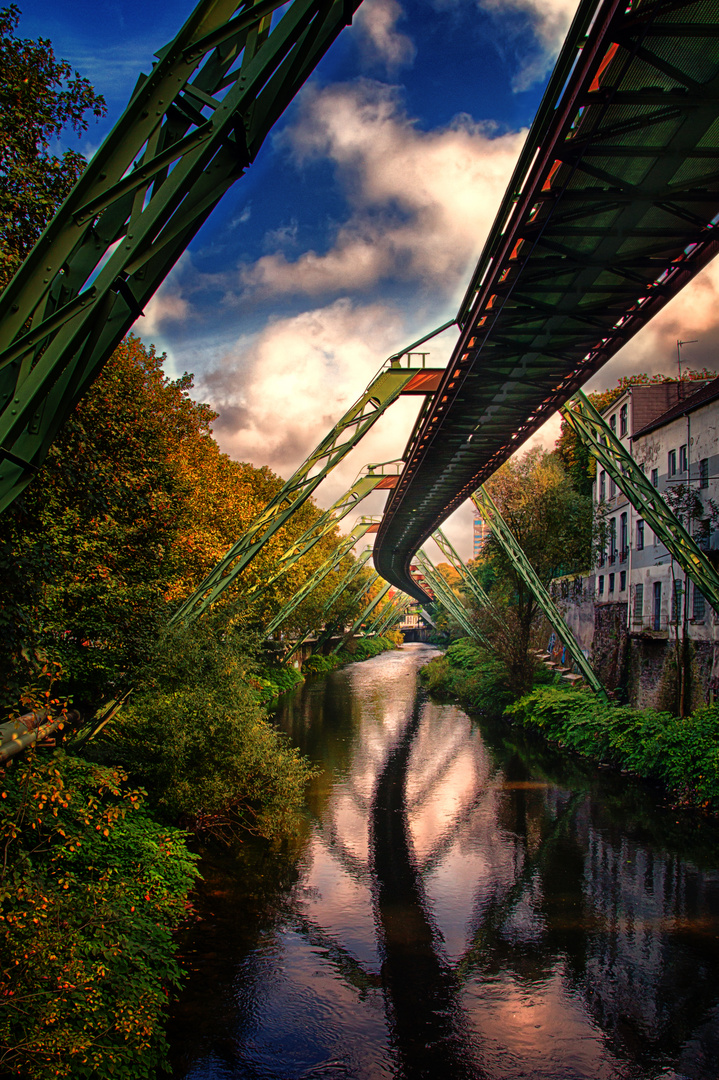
x: 552, y: 522
x: 40, y: 97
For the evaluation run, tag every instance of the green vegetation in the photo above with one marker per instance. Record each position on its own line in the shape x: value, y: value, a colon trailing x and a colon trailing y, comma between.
x: 682, y: 753
x: 364, y: 649
x: 134, y: 506
x: 92, y: 888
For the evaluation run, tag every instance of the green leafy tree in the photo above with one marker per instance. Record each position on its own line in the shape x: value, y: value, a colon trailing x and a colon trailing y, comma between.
x: 40, y: 97
x: 552, y: 522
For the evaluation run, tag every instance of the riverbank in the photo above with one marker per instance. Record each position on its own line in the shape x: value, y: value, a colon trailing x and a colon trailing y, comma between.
x: 680, y: 753
x: 97, y: 876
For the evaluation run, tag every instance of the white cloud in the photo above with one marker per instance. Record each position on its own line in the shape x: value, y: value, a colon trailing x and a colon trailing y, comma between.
x: 279, y: 392
x: 422, y: 202
x: 376, y: 22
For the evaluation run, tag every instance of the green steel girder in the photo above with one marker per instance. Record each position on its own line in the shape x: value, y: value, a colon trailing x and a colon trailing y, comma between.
x: 382, y: 392
x: 344, y: 584
x: 344, y: 548
x: 447, y: 598
x: 191, y: 128
x: 505, y: 538
x: 397, y: 609
x: 610, y: 212
x: 380, y: 617
x: 468, y: 579
x: 596, y: 434
x: 365, y: 614
x: 343, y: 506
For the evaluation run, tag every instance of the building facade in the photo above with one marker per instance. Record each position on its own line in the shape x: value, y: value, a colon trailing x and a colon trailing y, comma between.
x: 641, y: 594
x: 480, y: 532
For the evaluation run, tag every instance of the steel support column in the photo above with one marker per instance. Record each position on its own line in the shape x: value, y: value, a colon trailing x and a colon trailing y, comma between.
x: 505, y: 538
x: 365, y: 614
x: 591, y: 428
x: 191, y: 129
x: 382, y: 392
x: 447, y: 598
x: 344, y: 584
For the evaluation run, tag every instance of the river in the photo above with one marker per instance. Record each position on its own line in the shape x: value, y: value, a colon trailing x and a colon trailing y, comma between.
x: 463, y: 903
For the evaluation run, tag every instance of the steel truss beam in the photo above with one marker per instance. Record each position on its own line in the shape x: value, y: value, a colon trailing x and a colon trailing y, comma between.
x: 468, y: 579
x: 596, y: 434
x: 447, y: 598
x: 326, y: 524
x: 190, y: 130
x: 612, y: 209
x: 382, y: 392
x: 344, y: 584
x: 505, y: 538
x: 383, y: 617
x: 365, y: 615
x: 344, y: 548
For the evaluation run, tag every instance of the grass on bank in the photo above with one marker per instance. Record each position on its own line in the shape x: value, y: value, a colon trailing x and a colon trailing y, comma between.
x: 681, y: 753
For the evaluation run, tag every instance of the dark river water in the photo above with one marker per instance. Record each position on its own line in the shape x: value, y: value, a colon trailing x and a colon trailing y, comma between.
x: 463, y: 903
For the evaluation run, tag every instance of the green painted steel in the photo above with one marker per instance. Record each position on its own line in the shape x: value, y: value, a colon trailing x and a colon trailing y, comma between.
x: 398, y: 607
x: 596, y: 434
x: 344, y: 548
x: 447, y: 597
x: 326, y: 524
x: 504, y: 536
x: 332, y: 600
x: 611, y: 210
x: 468, y: 579
x: 365, y: 615
x: 382, y: 392
x: 191, y: 129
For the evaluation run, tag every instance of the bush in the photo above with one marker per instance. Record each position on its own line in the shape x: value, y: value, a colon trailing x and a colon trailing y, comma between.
x: 196, y: 736
x: 466, y: 672
x: 92, y: 889
x: 681, y: 753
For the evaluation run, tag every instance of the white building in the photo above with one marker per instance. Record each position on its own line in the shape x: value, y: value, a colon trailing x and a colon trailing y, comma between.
x: 671, y: 431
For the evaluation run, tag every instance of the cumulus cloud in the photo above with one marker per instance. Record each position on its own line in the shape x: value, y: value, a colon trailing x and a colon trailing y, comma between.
x: 421, y: 202
x: 164, y: 307
x: 380, y: 41
x: 280, y: 391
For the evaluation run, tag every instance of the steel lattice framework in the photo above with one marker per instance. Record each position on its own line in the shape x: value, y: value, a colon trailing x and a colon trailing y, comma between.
x: 191, y: 129
x: 611, y: 210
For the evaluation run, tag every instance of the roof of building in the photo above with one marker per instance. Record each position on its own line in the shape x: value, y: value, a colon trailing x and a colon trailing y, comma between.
x: 652, y: 400
x: 707, y: 392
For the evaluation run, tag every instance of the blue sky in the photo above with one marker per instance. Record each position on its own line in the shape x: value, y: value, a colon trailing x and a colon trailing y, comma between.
x: 356, y: 229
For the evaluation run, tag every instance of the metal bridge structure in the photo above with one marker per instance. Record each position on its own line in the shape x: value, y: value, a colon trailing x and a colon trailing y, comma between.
x: 612, y: 209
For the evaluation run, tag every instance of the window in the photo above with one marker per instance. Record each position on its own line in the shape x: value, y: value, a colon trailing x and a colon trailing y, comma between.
x: 655, y: 478
x: 623, y: 537
x: 611, y: 583
x: 612, y: 488
x: 704, y: 473
x: 622, y: 580
x: 657, y: 606
x: 672, y: 463
x: 602, y: 486
x: 612, y: 540
x: 638, y: 602
x: 623, y: 420
x: 613, y: 423
x: 677, y: 601
x: 698, y: 605
x: 683, y: 460
x: 640, y: 536
x: 601, y: 584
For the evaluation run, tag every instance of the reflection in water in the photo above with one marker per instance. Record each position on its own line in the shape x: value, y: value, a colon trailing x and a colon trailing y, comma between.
x: 465, y: 905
